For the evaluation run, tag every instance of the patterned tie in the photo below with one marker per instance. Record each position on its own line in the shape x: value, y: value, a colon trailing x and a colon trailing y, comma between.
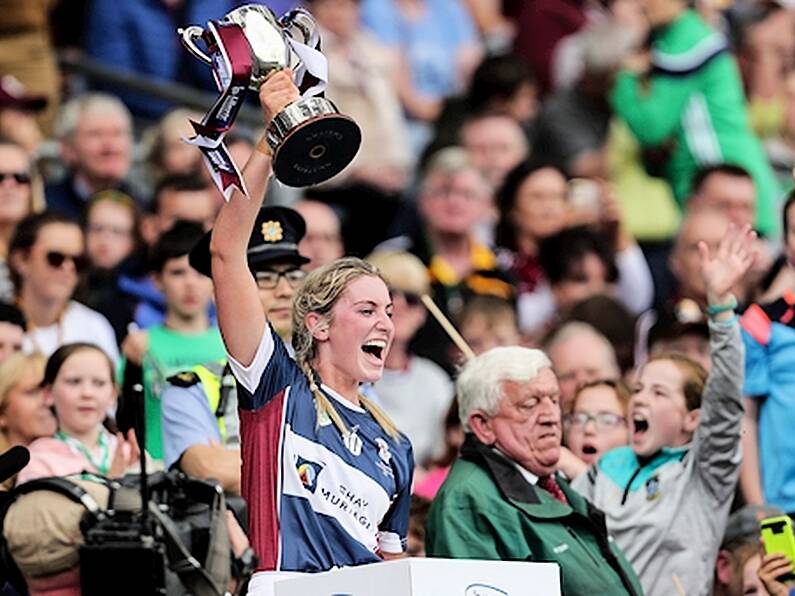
x: 549, y: 484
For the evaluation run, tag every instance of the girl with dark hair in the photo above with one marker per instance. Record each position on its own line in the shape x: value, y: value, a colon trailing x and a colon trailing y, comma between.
x: 78, y: 382
x: 326, y: 474
x: 537, y: 204
x: 532, y: 205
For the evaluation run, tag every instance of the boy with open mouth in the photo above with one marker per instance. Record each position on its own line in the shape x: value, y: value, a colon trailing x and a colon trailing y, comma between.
x: 667, y: 495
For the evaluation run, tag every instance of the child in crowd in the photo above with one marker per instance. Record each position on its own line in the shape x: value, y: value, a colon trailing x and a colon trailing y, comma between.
x: 667, y: 495
x: 114, y: 248
x: 186, y: 337
x: 597, y: 422
x: 112, y: 224
x: 488, y: 322
x: 78, y: 381
x: 428, y: 482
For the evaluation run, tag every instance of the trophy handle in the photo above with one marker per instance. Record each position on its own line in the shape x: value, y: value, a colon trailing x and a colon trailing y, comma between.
x: 188, y: 34
x: 304, y: 23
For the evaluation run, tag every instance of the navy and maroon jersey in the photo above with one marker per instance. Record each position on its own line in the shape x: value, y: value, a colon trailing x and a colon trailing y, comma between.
x: 316, y: 500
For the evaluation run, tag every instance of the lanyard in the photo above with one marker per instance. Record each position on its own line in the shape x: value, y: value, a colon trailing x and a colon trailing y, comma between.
x: 103, y: 465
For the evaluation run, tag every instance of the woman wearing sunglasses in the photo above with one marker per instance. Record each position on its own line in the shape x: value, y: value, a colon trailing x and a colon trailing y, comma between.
x: 16, y: 201
x: 415, y: 392
x: 46, y: 256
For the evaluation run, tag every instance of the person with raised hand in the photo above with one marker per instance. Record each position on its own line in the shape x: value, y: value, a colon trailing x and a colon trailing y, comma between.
x: 667, y: 495
x: 325, y: 473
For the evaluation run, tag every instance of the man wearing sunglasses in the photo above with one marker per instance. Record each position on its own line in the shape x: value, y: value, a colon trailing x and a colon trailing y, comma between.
x: 199, y: 408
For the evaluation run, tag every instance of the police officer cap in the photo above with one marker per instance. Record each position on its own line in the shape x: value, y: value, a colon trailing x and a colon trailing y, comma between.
x: 275, y: 238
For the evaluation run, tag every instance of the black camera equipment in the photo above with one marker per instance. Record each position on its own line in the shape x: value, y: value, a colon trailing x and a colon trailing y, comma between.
x: 12, y: 462
x: 176, y: 545
x: 149, y: 532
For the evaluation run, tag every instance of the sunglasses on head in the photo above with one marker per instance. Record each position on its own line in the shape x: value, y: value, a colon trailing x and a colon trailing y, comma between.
x: 411, y: 298
x: 56, y: 259
x: 19, y: 177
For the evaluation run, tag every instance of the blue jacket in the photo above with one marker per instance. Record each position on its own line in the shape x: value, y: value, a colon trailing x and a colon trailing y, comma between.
x: 140, y: 36
x: 769, y: 334
x: 151, y: 308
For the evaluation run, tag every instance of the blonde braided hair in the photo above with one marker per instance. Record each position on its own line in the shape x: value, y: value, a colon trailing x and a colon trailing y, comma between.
x: 321, y: 291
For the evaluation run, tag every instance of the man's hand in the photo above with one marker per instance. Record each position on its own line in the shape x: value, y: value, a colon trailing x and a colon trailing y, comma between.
x: 277, y: 92
x: 724, y: 268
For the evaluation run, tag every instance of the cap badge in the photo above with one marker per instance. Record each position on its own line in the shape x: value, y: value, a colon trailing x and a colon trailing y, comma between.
x: 272, y: 231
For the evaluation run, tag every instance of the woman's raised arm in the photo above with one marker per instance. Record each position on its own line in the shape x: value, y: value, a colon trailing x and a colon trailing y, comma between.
x: 240, y: 315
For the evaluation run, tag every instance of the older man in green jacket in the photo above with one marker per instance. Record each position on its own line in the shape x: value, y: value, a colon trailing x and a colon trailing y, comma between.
x: 502, y: 499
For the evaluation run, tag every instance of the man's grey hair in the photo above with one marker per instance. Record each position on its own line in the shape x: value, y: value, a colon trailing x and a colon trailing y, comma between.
x: 89, y: 103
x: 450, y: 161
x: 574, y: 329
x: 479, y: 384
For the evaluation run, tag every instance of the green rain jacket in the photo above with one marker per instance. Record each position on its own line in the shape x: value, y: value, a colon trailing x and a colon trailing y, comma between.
x: 692, y: 104
x: 487, y: 510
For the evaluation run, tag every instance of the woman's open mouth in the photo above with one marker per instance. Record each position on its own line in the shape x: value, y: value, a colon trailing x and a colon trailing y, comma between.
x: 375, y: 348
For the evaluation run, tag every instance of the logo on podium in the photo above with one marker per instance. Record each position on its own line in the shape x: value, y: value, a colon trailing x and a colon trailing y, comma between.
x: 484, y: 590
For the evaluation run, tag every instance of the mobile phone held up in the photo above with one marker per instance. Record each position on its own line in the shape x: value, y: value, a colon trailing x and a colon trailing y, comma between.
x: 778, y: 537
x: 584, y: 197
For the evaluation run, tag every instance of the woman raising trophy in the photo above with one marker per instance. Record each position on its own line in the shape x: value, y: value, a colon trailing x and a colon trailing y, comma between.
x: 326, y: 474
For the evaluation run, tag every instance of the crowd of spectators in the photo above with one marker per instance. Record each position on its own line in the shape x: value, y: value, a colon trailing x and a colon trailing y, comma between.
x: 549, y: 172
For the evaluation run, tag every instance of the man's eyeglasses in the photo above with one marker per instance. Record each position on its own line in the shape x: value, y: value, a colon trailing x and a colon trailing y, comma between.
x: 411, y: 298
x: 602, y: 420
x: 19, y: 177
x: 268, y: 280
x: 56, y: 259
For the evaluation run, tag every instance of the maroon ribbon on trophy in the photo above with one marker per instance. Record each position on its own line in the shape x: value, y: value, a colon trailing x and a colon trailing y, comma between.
x: 232, y: 66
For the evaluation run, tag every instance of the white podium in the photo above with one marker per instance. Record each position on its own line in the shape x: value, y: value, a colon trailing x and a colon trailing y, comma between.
x: 429, y: 577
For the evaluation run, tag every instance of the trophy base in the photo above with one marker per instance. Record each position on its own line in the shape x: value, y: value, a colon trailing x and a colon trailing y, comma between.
x: 311, y: 142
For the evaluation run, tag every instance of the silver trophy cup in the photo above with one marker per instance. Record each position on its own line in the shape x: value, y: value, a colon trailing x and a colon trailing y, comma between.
x: 311, y: 141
